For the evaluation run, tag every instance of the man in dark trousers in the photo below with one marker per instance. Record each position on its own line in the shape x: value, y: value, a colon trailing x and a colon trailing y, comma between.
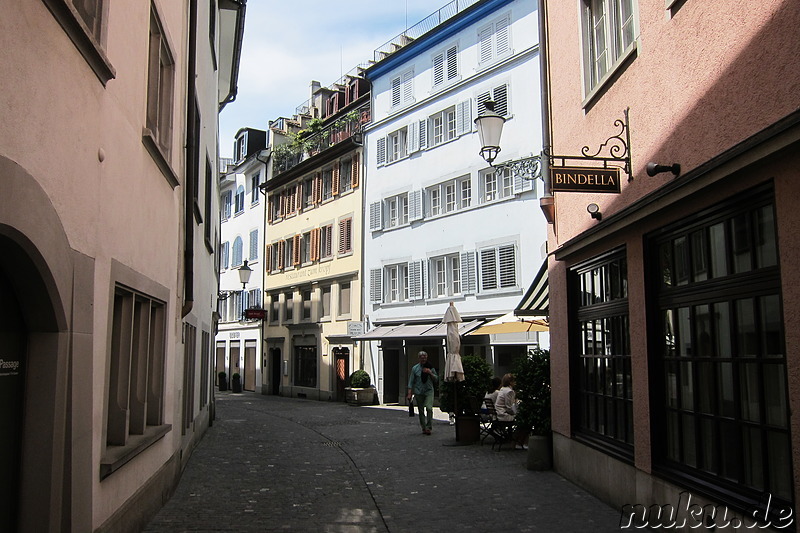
x: 420, y: 384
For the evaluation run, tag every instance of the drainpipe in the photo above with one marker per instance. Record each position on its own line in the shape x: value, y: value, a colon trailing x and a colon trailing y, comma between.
x: 191, y: 117
x: 546, y: 202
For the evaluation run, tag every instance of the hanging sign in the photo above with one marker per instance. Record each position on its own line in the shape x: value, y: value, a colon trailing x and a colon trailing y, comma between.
x: 584, y: 179
x: 255, y: 313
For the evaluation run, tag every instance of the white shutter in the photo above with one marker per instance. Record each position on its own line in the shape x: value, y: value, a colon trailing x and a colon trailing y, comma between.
x: 376, y: 216
x: 415, y: 280
x: 468, y: 280
x: 381, y: 151
x: 254, y: 245
x: 408, y: 88
x: 415, y: 205
x: 452, y: 63
x: 485, y: 44
x: 396, y: 91
x: 376, y: 285
x: 500, y: 97
x: 438, y: 69
x: 482, y: 97
x: 502, y: 36
x: 464, y: 117
x: 423, y: 134
x: 412, y: 137
x: 507, y: 266
x: 521, y: 184
x: 488, y: 273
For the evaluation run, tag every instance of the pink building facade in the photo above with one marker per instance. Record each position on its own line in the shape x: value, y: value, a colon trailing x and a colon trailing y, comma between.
x: 675, y: 358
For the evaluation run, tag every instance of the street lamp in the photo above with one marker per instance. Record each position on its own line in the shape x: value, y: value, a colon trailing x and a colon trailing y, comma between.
x: 490, y: 127
x: 244, y: 277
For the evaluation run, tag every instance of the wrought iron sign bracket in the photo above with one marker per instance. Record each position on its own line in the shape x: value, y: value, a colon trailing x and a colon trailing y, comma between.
x: 617, y: 147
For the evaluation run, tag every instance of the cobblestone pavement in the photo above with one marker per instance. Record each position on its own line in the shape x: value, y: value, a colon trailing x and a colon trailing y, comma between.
x: 279, y: 464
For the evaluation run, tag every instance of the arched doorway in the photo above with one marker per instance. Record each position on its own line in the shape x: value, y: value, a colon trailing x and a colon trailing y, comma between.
x: 13, y: 339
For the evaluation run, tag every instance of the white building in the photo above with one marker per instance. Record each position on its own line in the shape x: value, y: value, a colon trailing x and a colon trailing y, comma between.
x: 443, y: 226
x: 238, y: 340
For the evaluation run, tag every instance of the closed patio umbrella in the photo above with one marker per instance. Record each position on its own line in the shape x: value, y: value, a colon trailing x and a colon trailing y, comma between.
x: 453, y: 369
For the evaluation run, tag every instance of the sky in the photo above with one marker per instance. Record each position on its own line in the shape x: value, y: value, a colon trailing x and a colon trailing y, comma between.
x: 288, y: 43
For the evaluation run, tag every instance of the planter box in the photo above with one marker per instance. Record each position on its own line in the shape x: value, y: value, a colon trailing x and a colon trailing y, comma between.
x: 356, y: 396
x: 468, y: 428
x: 540, y: 452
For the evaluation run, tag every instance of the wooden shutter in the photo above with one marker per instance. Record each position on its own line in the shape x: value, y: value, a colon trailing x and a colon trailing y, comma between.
x: 408, y: 87
x: 316, y: 189
x: 376, y: 285
x: 281, y: 253
x: 485, y: 44
x: 521, y: 184
x: 268, y: 258
x: 354, y: 171
x: 315, y: 244
x: 488, y: 271
x: 397, y: 85
x: 335, y: 179
x: 296, y: 250
x: 298, y: 197
x: 345, y: 235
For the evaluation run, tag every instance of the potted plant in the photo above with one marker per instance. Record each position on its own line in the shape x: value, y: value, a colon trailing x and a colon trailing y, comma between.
x: 464, y: 398
x: 360, y: 391
x: 236, y: 382
x: 223, y: 381
x: 532, y: 373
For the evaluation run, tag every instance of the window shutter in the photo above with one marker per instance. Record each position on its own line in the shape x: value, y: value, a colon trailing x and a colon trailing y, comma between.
x: 314, y: 245
x: 335, y: 179
x: 225, y: 254
x: 354, y: 171
x: 413, y: 137
x: 502, y: 37
x: 268, y: 258
x: 415, y: 205
x: 508, y: 266
x: 316, y: 190
x: 298, y: 197
x: 327, y: 235
x: 438, y: 69
x: 343, y: 236
x: 485, y: 45
x: 521, y: 184
x: 423, y: 134
x: 415, y: 280
x: 281, y: 252
x: 376, y: 285
x: 488, y: 272
x: 376, y: 216
x: 408, y: 88
x: 381, y: 151
x: 468, y: 280
x: 296, y: 250
x: 425, y: 273
x: 271, y: 209
x: 452, y: 63
x: 254, y: 245
x: 464, y: 117
x: 500, y: 94
x: 396, y: 91
x: 482, y: 97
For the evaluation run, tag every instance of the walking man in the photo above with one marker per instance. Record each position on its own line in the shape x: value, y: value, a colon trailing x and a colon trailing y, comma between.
x: 420, y: 384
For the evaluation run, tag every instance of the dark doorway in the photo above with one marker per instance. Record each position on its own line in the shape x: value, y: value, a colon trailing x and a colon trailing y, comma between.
x: 275, y: 356
x: 342, y: 361
x: 220, y: 365
x: 249, y: 378
x: 391, y: 375
x: 13, y: 339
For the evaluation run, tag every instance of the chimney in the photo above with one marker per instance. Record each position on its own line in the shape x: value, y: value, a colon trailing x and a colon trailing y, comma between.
x: 315, y: 86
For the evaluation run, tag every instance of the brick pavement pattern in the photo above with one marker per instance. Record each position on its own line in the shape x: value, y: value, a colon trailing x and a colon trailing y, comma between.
x: 273, y: 464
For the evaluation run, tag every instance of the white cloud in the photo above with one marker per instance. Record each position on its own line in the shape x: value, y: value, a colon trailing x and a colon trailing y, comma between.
x: 289, y: 43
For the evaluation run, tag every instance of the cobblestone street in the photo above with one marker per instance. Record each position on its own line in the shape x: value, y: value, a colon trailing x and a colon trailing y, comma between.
x: 277, y: 464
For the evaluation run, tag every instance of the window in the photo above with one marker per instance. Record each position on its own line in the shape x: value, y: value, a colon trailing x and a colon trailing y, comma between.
x: 207, y: 232
x: 345, y: 175
x: 603, y: 355
x: 273, y: 257
x: 397, y: 210
x: 498, y: 268
x: 305, y: 366
x: 397, y: 283
x: 239, y: 199
x: 445, y: 275
x: 608, y: 36
x: 306, y: 294
x: 499, y: 95
x: 326, y: 302
x: 402, y: 89
x: 275, y: 308
x: 449, y: 196
x: 721, y: 360
x: 326, y: 242
x: 288, y: 306
x: 224, y: 253
x: 327, y: 184
x: 275, y: 212
x: 494, y: 41
x: 445, y: 66
x: 85, y: 26
x: 237, y: 252
x: 254, y: 245
x: 288, y: 253
x: 344, y: 299
x: 227, y: 200
x: 255, y: 181
x: 396, y: 145
x: 308, y: 193
x: 496, y: 187
x: 137, y: 355
x: 305, y: 248
x: 442, y: 126
x: 465, y: 192
x: 346, y: 236
x: 254, y: 298
x: 291, y: 200
x: 160, y: 73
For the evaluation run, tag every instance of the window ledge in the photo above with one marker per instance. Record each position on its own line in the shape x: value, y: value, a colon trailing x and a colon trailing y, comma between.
x: 345, y: 254
x: 86, y: 44
x: 610, y: 76
x: 149, y: 141
x: 117, y: 456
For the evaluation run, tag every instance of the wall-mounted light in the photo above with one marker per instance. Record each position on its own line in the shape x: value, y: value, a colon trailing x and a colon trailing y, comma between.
x: 490, y: 127
x: 244, y: 276
x: 594, y: 211
x: 654, y: 168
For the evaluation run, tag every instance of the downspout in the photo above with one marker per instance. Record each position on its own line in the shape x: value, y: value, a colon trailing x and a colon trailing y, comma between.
x: 237, y: 45
x: 546, y: 202
x: 191, y: 166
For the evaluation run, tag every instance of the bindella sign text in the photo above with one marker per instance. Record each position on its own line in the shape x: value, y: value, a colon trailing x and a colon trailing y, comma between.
x: 584, y: 179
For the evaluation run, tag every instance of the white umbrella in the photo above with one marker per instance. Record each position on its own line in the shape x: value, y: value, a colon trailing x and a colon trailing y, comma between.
x: 453, y: 369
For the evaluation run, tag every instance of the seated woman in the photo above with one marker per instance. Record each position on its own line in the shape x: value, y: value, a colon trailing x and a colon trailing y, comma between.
x: 506, y: 406
x: 494, y: 389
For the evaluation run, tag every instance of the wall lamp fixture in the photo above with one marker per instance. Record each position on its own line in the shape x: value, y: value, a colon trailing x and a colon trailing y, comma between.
x: 654, y: 168
x: 594, y: 211
x: 490, y: 127
x: 244, y: 276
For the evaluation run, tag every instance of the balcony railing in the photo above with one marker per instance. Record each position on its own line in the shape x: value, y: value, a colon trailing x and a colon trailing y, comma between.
x: 316, y: 139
